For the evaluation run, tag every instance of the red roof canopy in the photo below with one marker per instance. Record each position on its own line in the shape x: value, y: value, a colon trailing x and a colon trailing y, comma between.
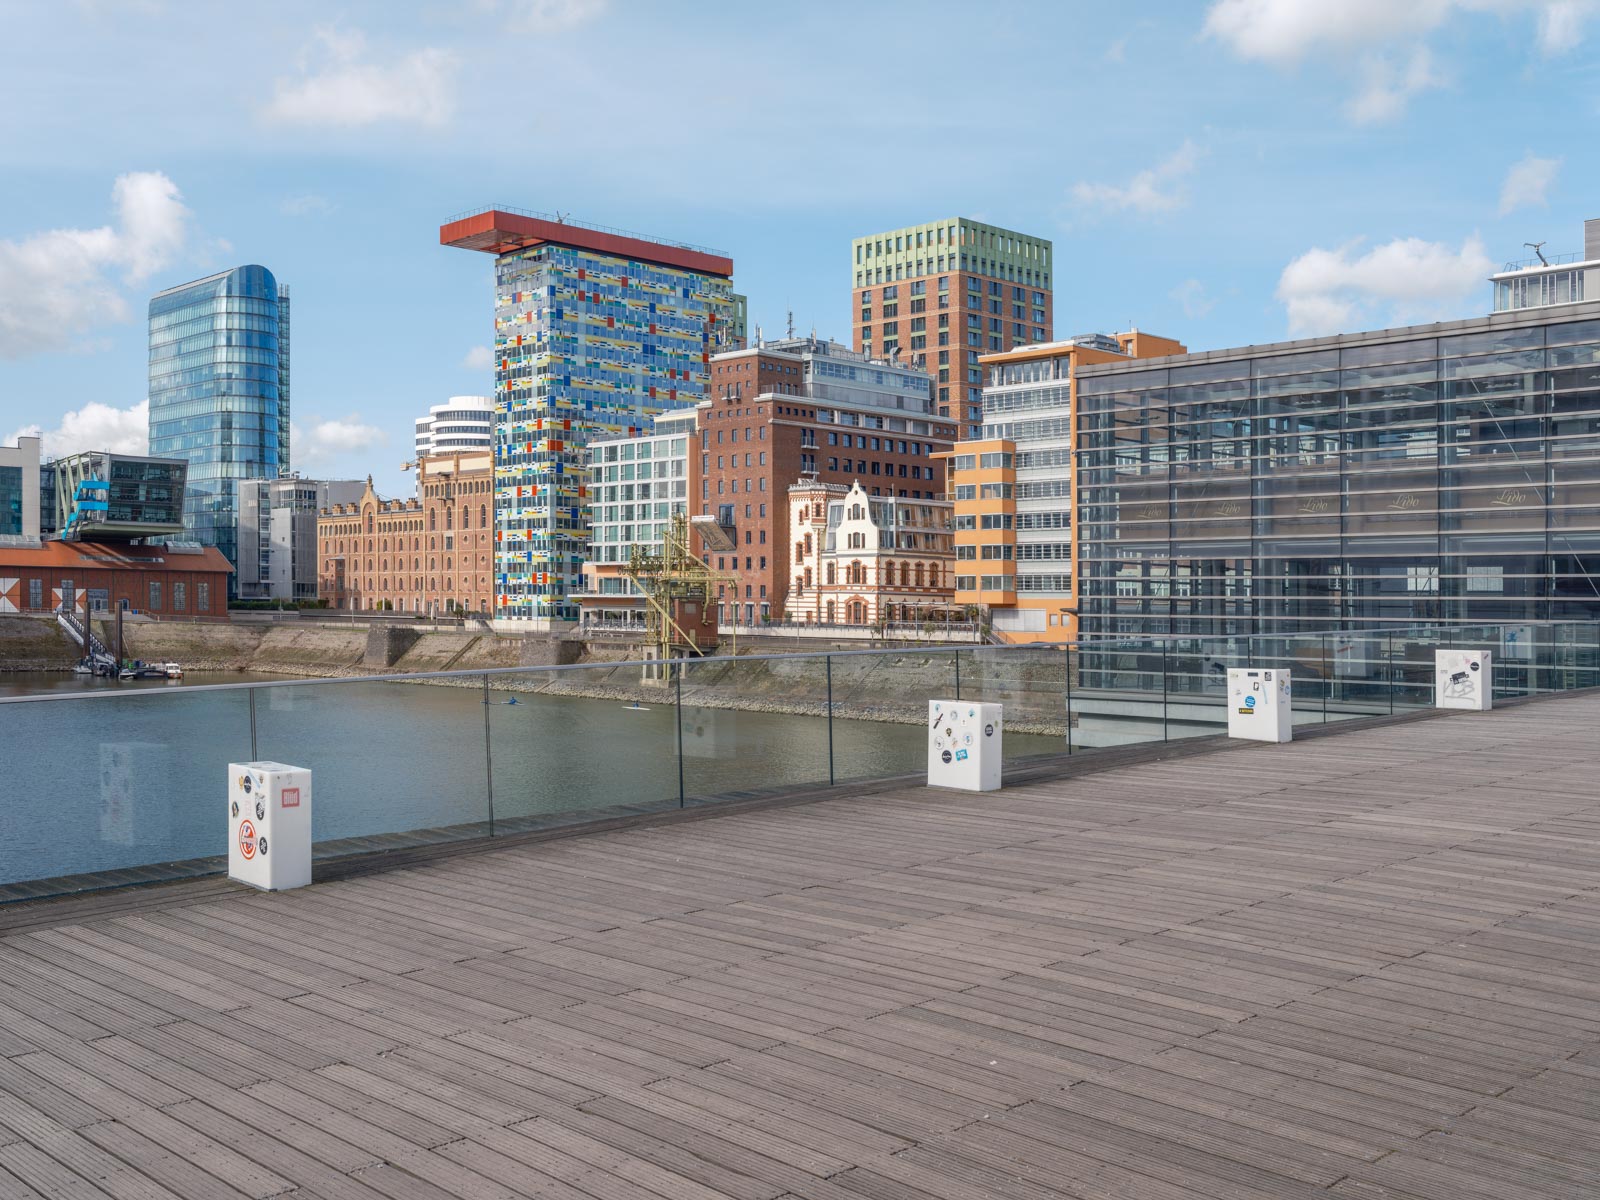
x: 497, y: 232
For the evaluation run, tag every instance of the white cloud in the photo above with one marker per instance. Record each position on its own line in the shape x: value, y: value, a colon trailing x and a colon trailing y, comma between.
x: 340, y: 85
x: 59, y: 284
x: 1528, y: 183
x: 548, y: 16
x: 1402, y: 281
x: 324, y: 440
x: 1191, y: 296
x: 479, y: 358
x: 1117, y: 51
x: 1157, y: 189
x: 95, y: 426
x: 1387, y: 87
x: 1283, y: 32
x: 1561, y: 24
x: 1384, y: 40
x: 308, y: 204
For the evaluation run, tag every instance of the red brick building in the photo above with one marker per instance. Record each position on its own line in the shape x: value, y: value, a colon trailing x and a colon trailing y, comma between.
x: 433, y: 554
x: 803, y: 408
x: 88, y: 577
x: 941, y: 294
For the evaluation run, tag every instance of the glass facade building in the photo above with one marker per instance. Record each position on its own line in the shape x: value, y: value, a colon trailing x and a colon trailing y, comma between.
x: 596, y: 332
x: 1445, y: 473
x: 98, y: 496
x: 219, y: 392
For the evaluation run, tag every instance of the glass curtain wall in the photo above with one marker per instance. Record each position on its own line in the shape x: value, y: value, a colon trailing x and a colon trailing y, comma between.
x: 219, y: 395
x: 1423, y: 478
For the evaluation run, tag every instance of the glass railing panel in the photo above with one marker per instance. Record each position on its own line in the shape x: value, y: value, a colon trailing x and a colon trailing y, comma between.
x: 118, y: 783
x: 392, y: 763
x: 880, y: 708
x: 1196, y: 695
x: 755, y: 726
x: 1117, y: 692
x: 1029, y: 682
x: 581, y: 744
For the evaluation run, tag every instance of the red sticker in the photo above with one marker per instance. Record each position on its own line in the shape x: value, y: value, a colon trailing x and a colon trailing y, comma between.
x: 247, y: 839
x: 290, y: 798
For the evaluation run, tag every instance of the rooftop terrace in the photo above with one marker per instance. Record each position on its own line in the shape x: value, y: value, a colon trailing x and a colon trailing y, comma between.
x: 1359, y: 965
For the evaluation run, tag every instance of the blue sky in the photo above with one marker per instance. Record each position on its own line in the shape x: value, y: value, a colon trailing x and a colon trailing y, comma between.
x: 1223, y: 172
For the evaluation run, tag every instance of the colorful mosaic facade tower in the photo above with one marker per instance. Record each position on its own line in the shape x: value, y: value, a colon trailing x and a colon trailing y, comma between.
x: 596, y: 332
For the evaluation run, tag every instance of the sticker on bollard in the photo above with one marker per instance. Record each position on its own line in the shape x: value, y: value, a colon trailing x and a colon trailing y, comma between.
x: 269, y: 805
x: 964, y: 745
x: 1259, y: 705
x: 1463, y: 679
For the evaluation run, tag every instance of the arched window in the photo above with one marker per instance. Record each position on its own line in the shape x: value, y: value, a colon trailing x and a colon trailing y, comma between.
x: 449, y: 518
x: 369, y: 522
x: 483, y: 516
x: 919, y: 575
x: 831, y: 581
x: 808, y: 543
x: 808, y: 576
x: 799, y: 553
x: 431, y: 515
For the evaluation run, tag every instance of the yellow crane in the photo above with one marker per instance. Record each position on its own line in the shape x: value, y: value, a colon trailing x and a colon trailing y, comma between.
x: 679, y: 590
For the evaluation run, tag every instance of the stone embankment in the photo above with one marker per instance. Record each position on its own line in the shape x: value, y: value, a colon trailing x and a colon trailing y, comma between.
x: 892, y: 684
x: 35, y: 644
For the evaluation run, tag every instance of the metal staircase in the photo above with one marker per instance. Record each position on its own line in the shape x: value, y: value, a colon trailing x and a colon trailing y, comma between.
x: 92, y: 646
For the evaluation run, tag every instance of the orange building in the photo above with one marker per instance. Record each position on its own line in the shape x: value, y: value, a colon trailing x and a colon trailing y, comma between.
x: 432, y: 555
x: 1014, y: 487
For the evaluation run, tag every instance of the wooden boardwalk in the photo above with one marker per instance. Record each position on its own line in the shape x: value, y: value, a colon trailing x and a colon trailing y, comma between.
x: 1360, y: 966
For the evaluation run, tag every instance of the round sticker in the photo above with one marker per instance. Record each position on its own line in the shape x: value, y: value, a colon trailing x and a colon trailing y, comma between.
x: 988, y: 730
x: 945, y: 756
x: 235, y: 808
x: 261, y: 811
x: 967, y: 738
x: 262, y: 843
x: 247, y: 838
x: 938, y: 743
x: 244, y: 782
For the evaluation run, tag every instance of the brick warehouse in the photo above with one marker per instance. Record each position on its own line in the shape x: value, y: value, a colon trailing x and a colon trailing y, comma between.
x: 84, y: 577
x: 432, y: 554
x: 804, y: 408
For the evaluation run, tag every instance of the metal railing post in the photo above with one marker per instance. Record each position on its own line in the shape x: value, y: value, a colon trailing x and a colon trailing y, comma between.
x: 958, y: 676
x: 827, y: 662
x: 1164, y: 734
x: 677, y: 679
x: 1069, y: 695
x: 488, y: 756
x: 1327, y: 677
x: 254, y: 754
x: 1389, y: 659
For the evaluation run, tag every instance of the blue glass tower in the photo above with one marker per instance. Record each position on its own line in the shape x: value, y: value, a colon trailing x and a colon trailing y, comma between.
x: 219, y: 392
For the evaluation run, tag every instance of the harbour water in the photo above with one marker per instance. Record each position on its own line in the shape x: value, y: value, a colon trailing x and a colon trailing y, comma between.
x: 111, y: 782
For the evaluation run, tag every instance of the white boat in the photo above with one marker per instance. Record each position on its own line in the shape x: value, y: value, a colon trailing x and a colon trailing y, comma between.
x: 83, y: 667
x: 174, y: 671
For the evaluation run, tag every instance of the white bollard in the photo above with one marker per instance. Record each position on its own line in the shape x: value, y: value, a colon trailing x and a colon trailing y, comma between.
x: 1463, y: 679
x: 1259, y: 705
x: 269, y: 825
x: 964, y: 741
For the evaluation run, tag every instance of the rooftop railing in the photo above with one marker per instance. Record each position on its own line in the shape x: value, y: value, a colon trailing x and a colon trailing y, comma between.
x: 110, y: 784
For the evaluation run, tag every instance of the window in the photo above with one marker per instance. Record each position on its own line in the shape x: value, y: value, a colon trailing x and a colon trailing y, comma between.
x: 155, y: 596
